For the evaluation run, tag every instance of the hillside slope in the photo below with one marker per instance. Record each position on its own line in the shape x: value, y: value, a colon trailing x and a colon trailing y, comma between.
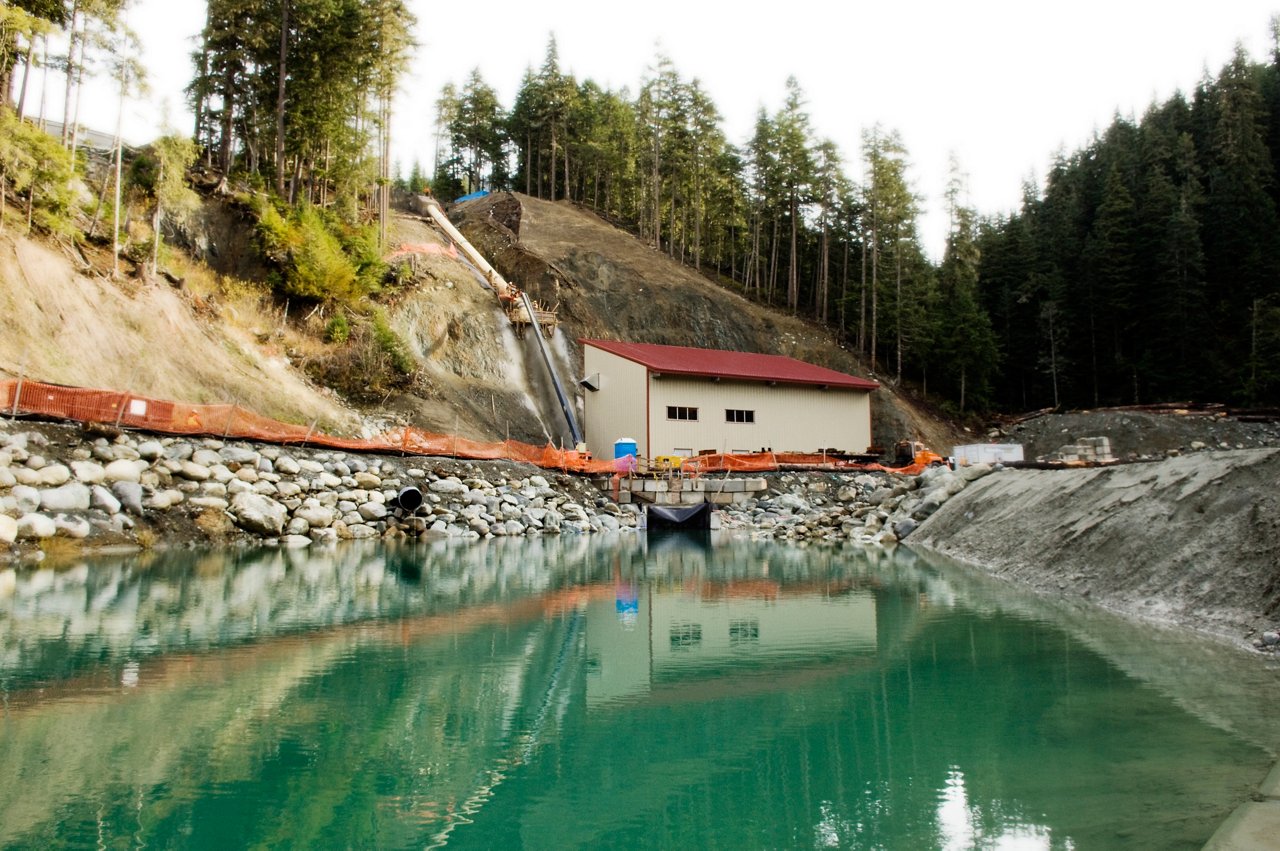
x: 68, y: 323
x: 216, y: 339
x: 609, y: 284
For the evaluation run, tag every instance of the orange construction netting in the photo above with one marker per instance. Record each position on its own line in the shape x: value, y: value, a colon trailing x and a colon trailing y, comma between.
x: 129, y: 410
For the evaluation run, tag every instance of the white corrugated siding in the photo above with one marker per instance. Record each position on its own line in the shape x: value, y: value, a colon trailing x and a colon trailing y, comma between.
x: 616, y: 410
x: 788, y: 417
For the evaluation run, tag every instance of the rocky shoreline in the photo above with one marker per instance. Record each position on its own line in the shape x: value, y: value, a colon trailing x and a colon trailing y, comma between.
x: 63, y: 485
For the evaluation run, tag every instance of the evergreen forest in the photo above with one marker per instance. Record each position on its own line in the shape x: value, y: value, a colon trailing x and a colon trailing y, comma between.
x: 1146, y: 267
x: 1143, y: 267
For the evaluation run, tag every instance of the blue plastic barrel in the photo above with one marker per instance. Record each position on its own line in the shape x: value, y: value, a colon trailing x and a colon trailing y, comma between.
x: 624, y: 446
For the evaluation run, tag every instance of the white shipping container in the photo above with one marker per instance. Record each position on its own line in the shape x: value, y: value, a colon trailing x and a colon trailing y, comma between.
x: 987, y: 453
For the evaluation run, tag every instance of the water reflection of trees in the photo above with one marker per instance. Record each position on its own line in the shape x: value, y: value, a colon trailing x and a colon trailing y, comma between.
x: 392, y: 697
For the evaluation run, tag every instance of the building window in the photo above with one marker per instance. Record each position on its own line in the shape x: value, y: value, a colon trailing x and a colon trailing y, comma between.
x: 735, y: 416
x: 680, y: 412
x: 686, y: 636
x: 744, y: 632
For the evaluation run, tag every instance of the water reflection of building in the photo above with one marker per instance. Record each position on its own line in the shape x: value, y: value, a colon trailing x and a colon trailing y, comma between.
x: 670, y: 634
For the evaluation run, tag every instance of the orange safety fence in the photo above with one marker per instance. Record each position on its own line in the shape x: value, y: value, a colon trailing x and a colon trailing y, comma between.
x: 129, y: 410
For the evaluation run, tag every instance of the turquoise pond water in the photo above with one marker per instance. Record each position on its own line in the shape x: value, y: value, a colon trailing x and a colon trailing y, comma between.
x: 595, y: 692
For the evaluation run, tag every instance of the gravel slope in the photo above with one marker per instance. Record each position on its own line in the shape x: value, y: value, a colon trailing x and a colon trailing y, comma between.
x: 1192, y: 540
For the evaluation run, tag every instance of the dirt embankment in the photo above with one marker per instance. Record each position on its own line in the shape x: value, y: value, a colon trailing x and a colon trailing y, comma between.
x: 1191, y: 540
x: 608, y: 284
x: 70, y: 323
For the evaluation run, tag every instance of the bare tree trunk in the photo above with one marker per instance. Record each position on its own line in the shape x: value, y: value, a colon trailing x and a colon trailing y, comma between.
x: 671, y: 238
x: 115, y: 214
x: 793, y: 273
x: 657, y: 190
x: 44, y: 83
x: 26, y: 77
x: 823, y: 275
x: 528, y: 164
x: 862, y: 303
x: 897, y: 259
x: 93, y: 227
x: 280, y: 96
x: 568, y: 194
x: 75, y: 121
x: 552, y: 196
x: 295, y: 179
x: 875, y: 284
x: 73, y: 41
x: 844, y: 286
x: 228, y: 125
x: 773, y: 262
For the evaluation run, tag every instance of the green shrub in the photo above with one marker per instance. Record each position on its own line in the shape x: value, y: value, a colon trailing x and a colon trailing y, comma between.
x: 277, y: 236
x: 314, y: 259
x: 391, y: 344
x: 321, y: 269
x: 361, y: 245
x: 338, y: 330
x: 34, y: 164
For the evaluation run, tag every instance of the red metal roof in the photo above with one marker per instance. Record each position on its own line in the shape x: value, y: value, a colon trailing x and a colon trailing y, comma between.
x: 716, y: 363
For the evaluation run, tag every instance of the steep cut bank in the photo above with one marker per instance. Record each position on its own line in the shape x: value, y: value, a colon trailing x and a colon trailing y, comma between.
x: 1193, y: 540
x: 607, y: 283
x: 68, y: 323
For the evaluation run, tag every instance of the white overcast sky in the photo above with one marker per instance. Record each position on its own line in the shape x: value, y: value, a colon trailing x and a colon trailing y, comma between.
x: 1003, y: 85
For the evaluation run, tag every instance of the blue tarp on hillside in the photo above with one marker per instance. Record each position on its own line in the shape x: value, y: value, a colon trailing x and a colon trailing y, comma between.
x: 473, y: 196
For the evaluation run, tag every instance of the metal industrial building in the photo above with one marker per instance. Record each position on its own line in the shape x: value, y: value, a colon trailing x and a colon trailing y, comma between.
x: 675, y: 400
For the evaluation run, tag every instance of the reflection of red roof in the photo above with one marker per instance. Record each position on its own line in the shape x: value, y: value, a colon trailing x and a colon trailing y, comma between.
x: 715, y: 363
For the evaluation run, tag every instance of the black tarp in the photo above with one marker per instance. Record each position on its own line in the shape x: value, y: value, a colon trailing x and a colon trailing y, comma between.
x: 679, y: 517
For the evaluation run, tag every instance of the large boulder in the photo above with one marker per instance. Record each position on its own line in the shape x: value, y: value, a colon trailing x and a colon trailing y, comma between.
x: 69, y: 497
x: 316, y: 516
x: 130, y: 496
x: 8, y: 529
x: 151, y: 449
x: 259, y: 514
x: 26, y: 498
x: 194, y: 471
x: 35, y: 527
x: 124, y: 471
x: 54, y: 475
x: 89, y: 472
x: 102, y: 498
x: 447, y: 487
x: 371, y: 511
